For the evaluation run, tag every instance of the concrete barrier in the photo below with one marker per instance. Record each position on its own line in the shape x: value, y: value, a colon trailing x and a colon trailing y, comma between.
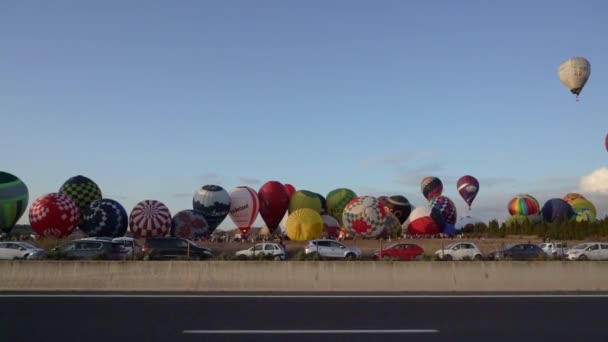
x: 303, y: 276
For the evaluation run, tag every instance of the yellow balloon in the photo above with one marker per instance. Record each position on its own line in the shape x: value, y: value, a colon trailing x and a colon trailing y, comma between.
x: 304, y: 224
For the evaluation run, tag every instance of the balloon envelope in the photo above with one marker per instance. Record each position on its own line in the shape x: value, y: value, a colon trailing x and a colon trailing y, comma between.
x: 399, y: 206
x: 304, y: 224
x: 423, y: 220
x: 572, y: 196
x: 82, y: 191
x: 14, y: 197
x: 364, y: 216
x: 468, y: 186
x: 574, y: 73
x: 274, y: 201
x: 337, y: 200
x: 584, y: 210
x: 305, y: 199
x: 446, y: 208
x: 244, y: 207
x: 213, y: 202
x: 431, y: 187
x: 523, y: 204
x: 54, y: 215
x: 150, y: 218
x: 556, y: 209
x: 105, y: 217
x: 290, y: 189
x: 189, y: 224
x: 331, y: 226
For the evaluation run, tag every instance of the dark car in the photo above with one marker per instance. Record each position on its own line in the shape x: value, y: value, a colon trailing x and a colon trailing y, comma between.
x: 168, y: 248
x: 400, y: 251
x: 91, y: 249
x: 521, y: 251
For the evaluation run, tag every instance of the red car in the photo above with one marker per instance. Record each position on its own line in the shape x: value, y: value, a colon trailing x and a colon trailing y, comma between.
x: 400, y: 251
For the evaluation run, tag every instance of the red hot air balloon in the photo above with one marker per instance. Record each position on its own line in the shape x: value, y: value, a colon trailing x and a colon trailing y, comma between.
x: 606, y: 142
x: 274, y: 201
x: 290, y: 189
x: 468, y: 186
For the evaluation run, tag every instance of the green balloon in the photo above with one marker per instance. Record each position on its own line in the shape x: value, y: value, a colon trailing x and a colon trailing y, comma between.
x: 14, y: 197
x: 337, y: 200
x: 304, y: 199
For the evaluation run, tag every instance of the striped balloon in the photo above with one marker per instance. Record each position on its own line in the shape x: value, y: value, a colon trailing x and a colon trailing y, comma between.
x: 431, y: 187
x: 150, y: 218
x: 524, y: 204
x: 14, y: 197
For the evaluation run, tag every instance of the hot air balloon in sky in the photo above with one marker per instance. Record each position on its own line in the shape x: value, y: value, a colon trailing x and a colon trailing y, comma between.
x: 524, y: 204
x: 274, y: 201
x: 468, y: 186
x: 14, y: 196
x: 214, y: 203
x: 606, y: 142
x: 244, y: 207
x: 446, y: 208
x: 431, y: 187
x: 290, y: 189
x: 305, y: 199
x: 399, y: 206
x: 574, y: 74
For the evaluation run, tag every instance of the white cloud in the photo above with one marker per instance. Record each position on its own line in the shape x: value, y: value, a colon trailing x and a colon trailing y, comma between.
x: 596, y: 182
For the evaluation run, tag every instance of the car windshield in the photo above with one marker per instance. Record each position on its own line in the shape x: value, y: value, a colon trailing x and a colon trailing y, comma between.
x: 581, y: 246
x: 452, y: 245
x: 28, y: 245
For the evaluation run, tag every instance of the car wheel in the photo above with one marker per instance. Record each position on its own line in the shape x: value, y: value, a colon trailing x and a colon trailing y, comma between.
x: 277, y: 257
x: 350, y: 256
x: 583, y: 257
x: 478, y: 257
x: 448, y: 257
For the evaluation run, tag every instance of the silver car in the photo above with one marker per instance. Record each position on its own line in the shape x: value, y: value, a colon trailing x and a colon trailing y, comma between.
x: 327, y: 248
x: 19, y: 250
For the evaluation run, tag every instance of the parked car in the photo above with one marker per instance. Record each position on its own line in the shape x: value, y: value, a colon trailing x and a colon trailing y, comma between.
x: 90, y: 249
x: 554, y: 249
x: 460, y: 251
x: 327, y: 248
x: 130, y: 244
x: 19, y: 250
x: 521, y: 251
x: 399, y: 251
x: 267, y: 248
x: 589, y: 251
x: 167, y: 248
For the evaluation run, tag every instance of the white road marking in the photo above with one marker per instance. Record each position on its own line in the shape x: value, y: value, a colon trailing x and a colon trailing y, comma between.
x: 348, y: 331
x: 287, y: 296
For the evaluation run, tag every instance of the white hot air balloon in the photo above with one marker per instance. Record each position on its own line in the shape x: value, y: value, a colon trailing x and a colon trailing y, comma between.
x: 244, y: 207
x: 574, y: 74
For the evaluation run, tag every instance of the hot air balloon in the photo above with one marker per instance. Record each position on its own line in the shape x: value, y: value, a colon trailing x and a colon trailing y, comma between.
x: 364, y: 216
x: 523, y: 204
x: 105, y: 217
x: 323, y: 203
x: 305, y: 199
x: 337, y: 199
x: 572, y: 196
x: 14, y: 196
x: 392, y: 226
x: 399, y: 206
x: 556, y: 209
x: 274, y: 201
x: 54, y: 215
x: 574, y: 74
x: 304, y: 224
x: 189, y: 224
x: 331, y: 226
x: 583, y: 209
x: 424, y: 220
x: 213, y: 202
x: 431, y: 187
x: 290, y: 189
x: 446, y: 208
x: 82, y: 191
x: 244, y: 207
x: 468, y: 186
x: 606, y: 142
x: 150, y: 218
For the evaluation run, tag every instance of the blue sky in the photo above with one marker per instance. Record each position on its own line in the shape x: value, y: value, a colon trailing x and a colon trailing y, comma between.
x: 153, y: 99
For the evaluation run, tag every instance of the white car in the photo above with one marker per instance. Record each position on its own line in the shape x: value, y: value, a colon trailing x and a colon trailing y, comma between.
x: 129, y: 243
x: 460, y: 251
x: 554, y: 248
x: 17, y: 249
x: 589, y: 251
x: 267, y: 248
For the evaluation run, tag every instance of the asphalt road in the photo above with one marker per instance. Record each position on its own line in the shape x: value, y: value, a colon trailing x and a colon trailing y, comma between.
x: 293, y: 318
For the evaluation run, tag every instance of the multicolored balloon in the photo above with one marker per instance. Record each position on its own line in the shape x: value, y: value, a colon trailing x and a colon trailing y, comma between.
x: 523, y: 204
x: 468, y: 187
x: 424, y: 220
x: 150, y: 218
x: 446, y: 208
x: 431, y: 187
x: 304, y: 224
x: 583, y: 210
x: 331, y: 226
x: 244, y: 207
x: 399, y: 206
x: 573, y: 196
x: 305, y: 199
x: 189, y: 224
x: 14, y: 197
x: 274, y: 201
x: 337, y: 200
x: 105, y: 217
x: 82, y: 191
x: 54, y: 215
x: 364, y: 217
x: 556, y: 209
x: 213, y: 202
